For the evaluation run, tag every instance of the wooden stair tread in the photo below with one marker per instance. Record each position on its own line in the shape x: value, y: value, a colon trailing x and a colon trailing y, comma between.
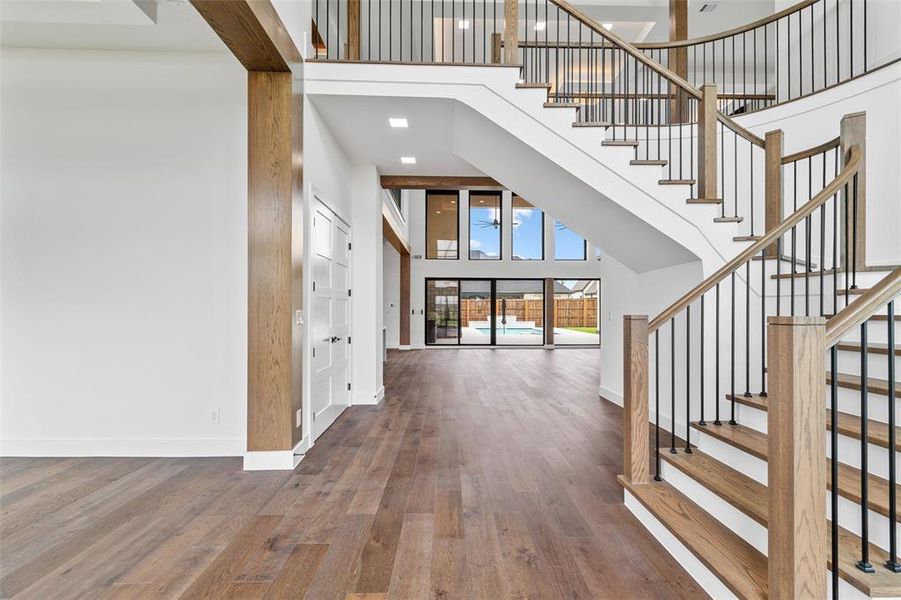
x: 746, y: 238
x: 728, y: 219
x: 575, y: 105
x: 676, y: 182
x: 527, y: 85
x: 591, y: 124
x: 652, y: 162
x: 750, y: 497
x: 852, y: 291
x: 874, y: 384
x: 797, y: 261
x: 704, y: 201
x: 754, y: 400
x: 877, y: 432
x: 872, y: 348
x: 619, y: 143
x: 755, y: 443
x: 739, y: 565
x: 840, y: 271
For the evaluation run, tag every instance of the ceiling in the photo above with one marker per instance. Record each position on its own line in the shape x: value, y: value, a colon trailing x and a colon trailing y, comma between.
x: 360, y: 125
x: 131, y: 25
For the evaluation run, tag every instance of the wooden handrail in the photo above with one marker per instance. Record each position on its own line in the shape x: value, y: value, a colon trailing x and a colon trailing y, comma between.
x: 653, y: 65
x: 864, y: 307
x: 850, y: 168
x: 824, y: 147
x: 728, y: 33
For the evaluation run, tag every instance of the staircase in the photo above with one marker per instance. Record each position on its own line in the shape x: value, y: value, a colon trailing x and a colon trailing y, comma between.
x: 767, y: 391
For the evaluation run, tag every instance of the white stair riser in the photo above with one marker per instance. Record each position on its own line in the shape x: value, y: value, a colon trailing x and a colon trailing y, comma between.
x: 877, y: 364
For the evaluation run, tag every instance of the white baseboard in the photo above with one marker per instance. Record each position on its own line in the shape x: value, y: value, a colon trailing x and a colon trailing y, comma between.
x: 176, y: 448
x: 369, y: 398
x: 695, y: 568
x: 303, y: 445
x: 608, y: 394
x: 404, y: 347
x: 275, y: 460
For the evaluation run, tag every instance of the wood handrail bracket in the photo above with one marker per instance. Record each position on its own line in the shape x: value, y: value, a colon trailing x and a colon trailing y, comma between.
x: 851, y: 167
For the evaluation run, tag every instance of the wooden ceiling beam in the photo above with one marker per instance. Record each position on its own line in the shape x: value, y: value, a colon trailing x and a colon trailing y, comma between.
x: 440, y: 182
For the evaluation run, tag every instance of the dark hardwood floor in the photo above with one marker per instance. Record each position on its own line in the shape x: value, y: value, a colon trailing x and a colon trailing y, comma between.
x: 485, y: 474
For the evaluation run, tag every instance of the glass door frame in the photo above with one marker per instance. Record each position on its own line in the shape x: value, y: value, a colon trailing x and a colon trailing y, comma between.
x: 492, y: 317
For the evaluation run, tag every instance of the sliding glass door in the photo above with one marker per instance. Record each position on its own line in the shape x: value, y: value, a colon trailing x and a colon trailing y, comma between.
x: 482, y: 312
x: 519, y: 312
x: 442, y: 307
x: 476, y: 318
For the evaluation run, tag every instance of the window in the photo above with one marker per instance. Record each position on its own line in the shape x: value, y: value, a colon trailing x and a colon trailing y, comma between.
x: 568, y: 245
x: 484, y: 226
x: 396, y: 198
x: 442, y: 227
x: 576, y: 312
x: 528, y: 231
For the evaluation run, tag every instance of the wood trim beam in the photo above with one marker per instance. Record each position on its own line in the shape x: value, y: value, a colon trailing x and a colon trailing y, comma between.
x: 796, y: 471
x: 773, y: 185
x: 393, y: 238
x: 254, y: 33
x: 440, y: 182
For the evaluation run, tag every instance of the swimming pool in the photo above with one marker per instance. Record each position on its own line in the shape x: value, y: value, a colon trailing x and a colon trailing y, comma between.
x: 511, y: 330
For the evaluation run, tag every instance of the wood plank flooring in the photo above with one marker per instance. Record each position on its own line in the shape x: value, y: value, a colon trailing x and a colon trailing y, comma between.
x: 485, y: 474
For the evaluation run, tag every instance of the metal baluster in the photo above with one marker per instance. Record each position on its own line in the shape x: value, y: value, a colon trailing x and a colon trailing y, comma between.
x: 748, y: 329
x: 672, y: 412
x: 688, y: 379
x: 892, y: 562
x: 762, y: 323
x: 716, y: 391
x: 854, y: 237
x: 701, y: 381
x: 732, y: 362
x: 864, y: 563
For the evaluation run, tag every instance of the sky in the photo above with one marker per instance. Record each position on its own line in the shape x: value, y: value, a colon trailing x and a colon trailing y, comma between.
x: 485, y: 236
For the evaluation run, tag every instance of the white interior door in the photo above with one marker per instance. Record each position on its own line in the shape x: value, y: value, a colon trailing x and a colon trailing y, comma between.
x: 330, y: 326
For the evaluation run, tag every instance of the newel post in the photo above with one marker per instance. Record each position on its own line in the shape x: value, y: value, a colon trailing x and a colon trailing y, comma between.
x: 511, y: 32
x: 772, y: 172
x: 353, y: 30
x: 854, y: 133
x: 635, y: 399
x: 707, y: 154
x: 796, y: 471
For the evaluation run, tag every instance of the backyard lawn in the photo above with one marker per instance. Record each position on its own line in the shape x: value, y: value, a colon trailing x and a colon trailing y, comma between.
x: 592, y: 330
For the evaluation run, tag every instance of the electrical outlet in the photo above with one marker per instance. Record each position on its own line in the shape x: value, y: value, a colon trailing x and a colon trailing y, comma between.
x: 215, y: 416
x: 298, y: 418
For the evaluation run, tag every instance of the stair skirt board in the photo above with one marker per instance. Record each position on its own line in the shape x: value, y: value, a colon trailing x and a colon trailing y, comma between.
x: 704, y: 577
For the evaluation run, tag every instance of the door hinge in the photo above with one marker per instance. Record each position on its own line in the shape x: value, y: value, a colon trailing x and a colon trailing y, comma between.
x: 348, y: 339
x: 348, y: 387
x: 348, y: 292
x: 314, y: 286
x: 348, y: 245
x: 314, y: 351
x: 314, y: 416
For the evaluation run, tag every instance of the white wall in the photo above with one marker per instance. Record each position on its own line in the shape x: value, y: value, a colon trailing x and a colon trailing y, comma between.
x: 391, y: 293
x: 366, y: 274
x: 124, y: 253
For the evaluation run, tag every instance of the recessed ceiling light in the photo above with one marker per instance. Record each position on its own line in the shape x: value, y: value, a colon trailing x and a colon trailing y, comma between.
x: 463, y: 23
x: 408, y: 160
x: 397, y: 122
x: 540, y: 25
x: 607, y: 26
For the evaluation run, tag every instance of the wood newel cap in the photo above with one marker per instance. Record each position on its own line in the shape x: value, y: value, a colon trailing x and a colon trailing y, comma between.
x: 635, y: 317
x: 794, y: 321
x: 855, y: 115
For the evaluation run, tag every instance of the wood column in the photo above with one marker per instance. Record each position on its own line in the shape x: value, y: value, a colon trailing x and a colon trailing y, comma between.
x: 677, y: 59
x: 549, y: 316
x: 772, y: 171
x: 854, y: 132
x: 254, y: 33
x: 511, y: 32
x: 496, y: 48
x: 635, y: 399
x: 353, y: 29
x: 707, y: 146
x: 796, y: 471
x: 405, y: 288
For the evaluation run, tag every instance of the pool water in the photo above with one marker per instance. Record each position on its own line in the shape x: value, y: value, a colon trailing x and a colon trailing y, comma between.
x: 511, y: 330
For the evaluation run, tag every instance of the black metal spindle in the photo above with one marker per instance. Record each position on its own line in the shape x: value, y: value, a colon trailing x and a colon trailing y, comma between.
x: 701, y: 380
x: 732, y: 362
x: 748, y: 329
x: 716, y: 354
x: 672, y: 412
x: 688, y: 379
x: 864, y: 563
x: 892, y: 562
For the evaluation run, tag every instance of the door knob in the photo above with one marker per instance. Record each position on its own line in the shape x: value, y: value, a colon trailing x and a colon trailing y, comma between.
x: 335, y: 339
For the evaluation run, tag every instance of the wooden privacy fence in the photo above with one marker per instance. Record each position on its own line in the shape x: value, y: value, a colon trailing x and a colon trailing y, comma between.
x: 568, y: 312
